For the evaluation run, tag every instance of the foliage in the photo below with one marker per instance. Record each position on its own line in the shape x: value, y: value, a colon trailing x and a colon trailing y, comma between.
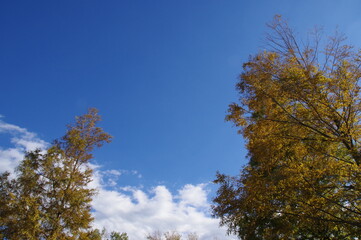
x: 192, y: 236
x: 173, y: 235
x: 103, y: 235
x: 156, y: 235
x: 50, y: 196
x: 300, y: 114
x: 118, y: 236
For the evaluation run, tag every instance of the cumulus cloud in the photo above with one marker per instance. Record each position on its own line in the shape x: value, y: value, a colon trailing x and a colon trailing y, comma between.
x: 129, y: 209
x: 193, y: 195
x: 139, y: 212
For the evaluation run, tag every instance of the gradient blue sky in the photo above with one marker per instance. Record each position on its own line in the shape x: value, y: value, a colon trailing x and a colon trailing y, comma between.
x: 161, y: 73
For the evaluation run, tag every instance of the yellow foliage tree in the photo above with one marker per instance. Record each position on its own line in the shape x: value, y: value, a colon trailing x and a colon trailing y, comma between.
x: 50, y: 196
x: 300, y: 113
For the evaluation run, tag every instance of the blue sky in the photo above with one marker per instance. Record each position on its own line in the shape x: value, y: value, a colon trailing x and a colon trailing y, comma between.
x: 161, y: 73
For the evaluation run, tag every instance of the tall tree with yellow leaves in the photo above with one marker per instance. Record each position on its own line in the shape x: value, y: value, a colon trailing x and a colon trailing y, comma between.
x: 300, y: 113
x: 50, y: 196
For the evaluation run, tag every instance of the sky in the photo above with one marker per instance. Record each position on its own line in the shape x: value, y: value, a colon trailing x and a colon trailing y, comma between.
x: 162, y: 74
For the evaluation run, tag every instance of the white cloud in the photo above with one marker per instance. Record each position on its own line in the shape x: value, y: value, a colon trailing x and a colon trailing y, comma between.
x: 23, y: 141
x: 127, y: 208
x: 193, y: 195
x: 113, y: 172
x: 9, y: 159
x: 139, y: 212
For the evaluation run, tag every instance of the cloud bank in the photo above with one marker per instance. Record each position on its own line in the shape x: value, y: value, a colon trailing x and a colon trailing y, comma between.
x: 133, y: 210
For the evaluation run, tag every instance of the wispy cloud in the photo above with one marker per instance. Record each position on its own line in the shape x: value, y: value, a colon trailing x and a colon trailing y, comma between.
x: 126, y: 208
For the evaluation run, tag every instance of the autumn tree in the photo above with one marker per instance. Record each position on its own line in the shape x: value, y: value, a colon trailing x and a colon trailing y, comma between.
x: 300, y: 113
x: 50, y: 197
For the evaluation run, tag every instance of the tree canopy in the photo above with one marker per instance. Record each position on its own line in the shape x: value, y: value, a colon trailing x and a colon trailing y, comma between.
x: 300, y: 112
x: 49, y: 197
